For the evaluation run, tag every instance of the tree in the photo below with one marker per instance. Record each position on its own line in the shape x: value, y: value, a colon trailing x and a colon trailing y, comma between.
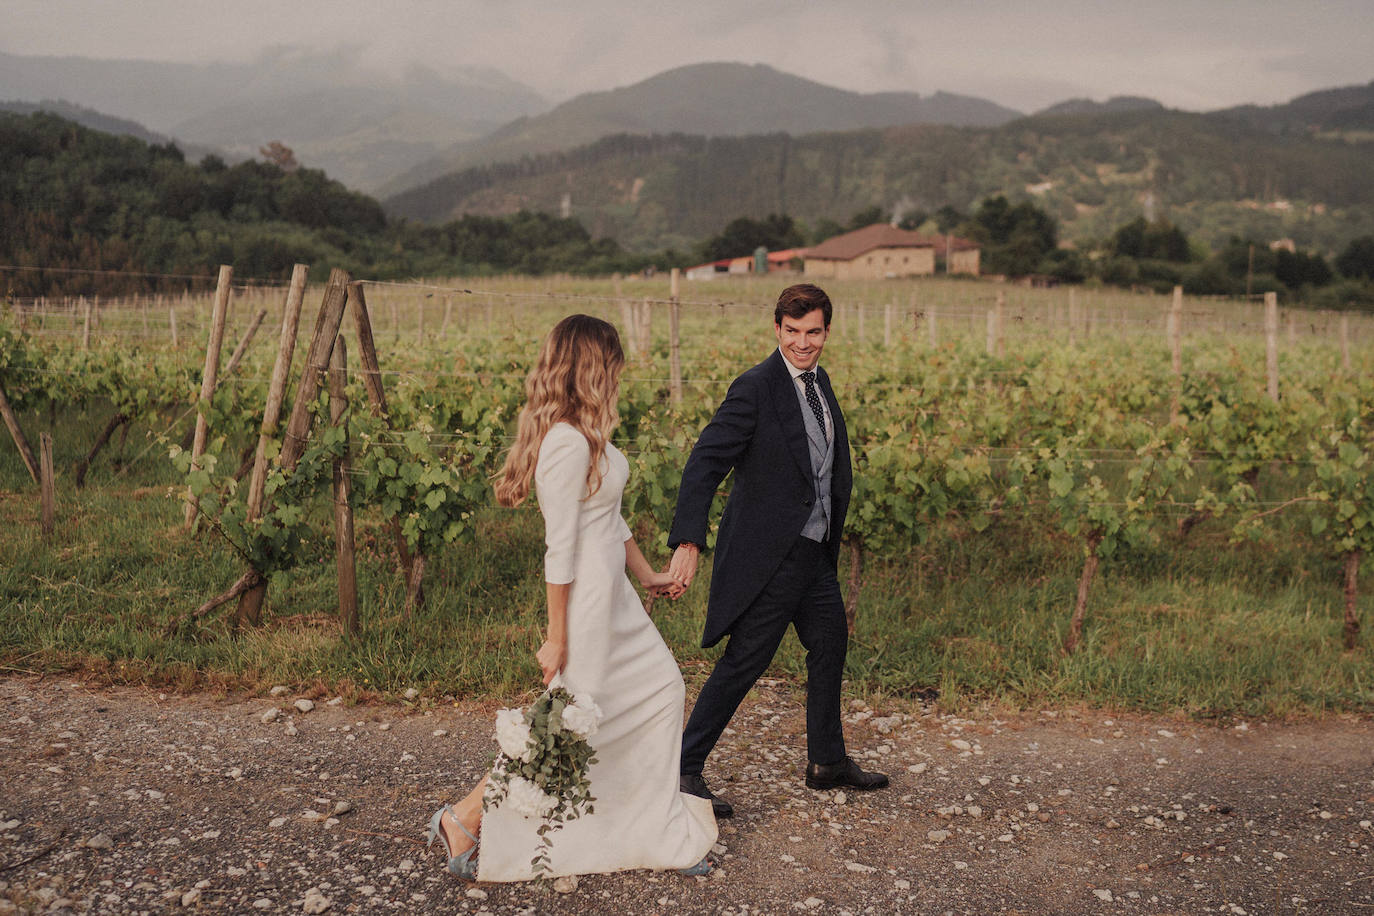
x: 280, y: 155
x: 1357, y: 260
x: 867, y: 217
x: 1159, y: 240
x: 1015, y: 238
x: 913, y: 220
x: 1298, y: 269
x: 947, y: 218
x: 775, y: 232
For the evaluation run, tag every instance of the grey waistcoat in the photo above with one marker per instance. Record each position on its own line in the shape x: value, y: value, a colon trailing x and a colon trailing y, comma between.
x: 822, y: 464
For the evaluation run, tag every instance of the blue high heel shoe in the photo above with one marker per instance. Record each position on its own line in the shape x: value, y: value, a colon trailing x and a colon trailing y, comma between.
x: 462, y: 864
x: 701, y: 868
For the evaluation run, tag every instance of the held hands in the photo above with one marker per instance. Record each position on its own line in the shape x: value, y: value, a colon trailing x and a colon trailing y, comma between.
x: 683, y: 568
x: 662, y: 585
x: 552, y: 656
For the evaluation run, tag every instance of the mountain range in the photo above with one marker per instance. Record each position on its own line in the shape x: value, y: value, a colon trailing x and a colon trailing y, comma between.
x: 361, y: 125
x: 713, y: 100
x: 1289, y: 171
x: 671, y: 158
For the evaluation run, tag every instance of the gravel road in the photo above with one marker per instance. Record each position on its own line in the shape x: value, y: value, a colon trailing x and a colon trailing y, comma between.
x: 131, y: 801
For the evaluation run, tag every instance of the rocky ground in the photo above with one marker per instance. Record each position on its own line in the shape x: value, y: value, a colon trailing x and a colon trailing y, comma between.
x: 129, y: 801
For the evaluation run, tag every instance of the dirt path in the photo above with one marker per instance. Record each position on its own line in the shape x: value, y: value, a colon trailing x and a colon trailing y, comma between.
x: 126, y: 801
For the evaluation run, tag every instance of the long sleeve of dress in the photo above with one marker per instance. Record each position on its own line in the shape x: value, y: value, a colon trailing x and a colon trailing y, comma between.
x: 560, y: 479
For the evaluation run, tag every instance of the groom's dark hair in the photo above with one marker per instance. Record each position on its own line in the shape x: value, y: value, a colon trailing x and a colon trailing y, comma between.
x: 802, y: 299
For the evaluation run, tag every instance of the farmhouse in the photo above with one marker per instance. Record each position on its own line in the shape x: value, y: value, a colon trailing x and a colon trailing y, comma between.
x: 879, y: 251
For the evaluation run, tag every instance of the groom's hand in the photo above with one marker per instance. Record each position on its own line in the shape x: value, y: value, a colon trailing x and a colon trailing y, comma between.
x: 683, y: 567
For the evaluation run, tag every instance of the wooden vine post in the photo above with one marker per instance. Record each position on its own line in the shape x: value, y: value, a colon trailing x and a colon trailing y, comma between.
x: 49, y: 493
x: 1176, y: 351
x: 344, y: 560
x: 17, y: 434
x: 1345, y: 342
x: 1271, y: 344
x: 237, y: 356
x: 675, y: 330
x: 250, y: 604
x: 1000, y: 311
x: 298, y: 426
x: 412, y: 566
x: 208, y: 381
x: 645, y: 327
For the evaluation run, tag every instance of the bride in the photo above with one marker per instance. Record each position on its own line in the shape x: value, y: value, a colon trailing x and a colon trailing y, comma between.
x: 599, y: 637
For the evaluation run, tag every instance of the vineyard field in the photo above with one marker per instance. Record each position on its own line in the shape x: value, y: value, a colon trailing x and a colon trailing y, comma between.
x: 1045, y: 512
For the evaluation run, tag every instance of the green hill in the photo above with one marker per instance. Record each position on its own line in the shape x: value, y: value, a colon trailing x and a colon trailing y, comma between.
x: 83, y: 212
x: 1215, y: 176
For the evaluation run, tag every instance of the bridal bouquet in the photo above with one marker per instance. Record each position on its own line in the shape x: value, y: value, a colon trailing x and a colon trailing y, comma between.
x: 541, y: 770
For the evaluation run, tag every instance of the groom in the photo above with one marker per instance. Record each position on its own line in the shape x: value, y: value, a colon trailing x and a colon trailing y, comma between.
x: 782, y: 433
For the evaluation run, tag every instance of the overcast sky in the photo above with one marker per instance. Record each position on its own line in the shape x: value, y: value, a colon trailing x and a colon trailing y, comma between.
x: 1191, y: 54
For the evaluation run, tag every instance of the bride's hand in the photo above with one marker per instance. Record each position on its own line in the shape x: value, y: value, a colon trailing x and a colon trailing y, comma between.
x: 552, y: 656
x: 662, y: 584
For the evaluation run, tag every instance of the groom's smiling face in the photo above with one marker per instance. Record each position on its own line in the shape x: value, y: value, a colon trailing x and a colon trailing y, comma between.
x: 802, y: 339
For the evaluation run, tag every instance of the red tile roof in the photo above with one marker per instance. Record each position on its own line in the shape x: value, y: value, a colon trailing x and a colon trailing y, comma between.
x: 851, y: 245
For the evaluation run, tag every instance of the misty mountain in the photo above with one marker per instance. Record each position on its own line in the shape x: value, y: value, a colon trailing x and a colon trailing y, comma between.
x: 709, y: 99
x: 1111, y: 106
x: 96, y: 120
x: 358, y: 124
x: 1347, y: 108
x: 1212, y: 175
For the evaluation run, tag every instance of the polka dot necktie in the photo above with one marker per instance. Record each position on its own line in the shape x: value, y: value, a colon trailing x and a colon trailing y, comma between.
x: 814, y: 399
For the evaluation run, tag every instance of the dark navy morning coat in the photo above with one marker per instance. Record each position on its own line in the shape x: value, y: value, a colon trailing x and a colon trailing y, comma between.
x: 757, y: 432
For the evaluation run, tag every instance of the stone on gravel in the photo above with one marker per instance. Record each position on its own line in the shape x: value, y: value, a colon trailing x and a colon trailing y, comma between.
x: 937, y: 836
x: 315, y: 902
x: 100, y: 841
x: 279, y: 691
x: 411, y: 693
x: 565, y: 884
x: 1103, y: 894
x: 190, y: 898
x: 290, y: 731
x: 304, y: 705
x: 270, y: 716
x: 342, y: 807
x: 476, y: 893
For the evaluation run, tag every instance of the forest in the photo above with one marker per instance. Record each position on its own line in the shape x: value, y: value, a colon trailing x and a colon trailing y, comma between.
x: 88, y: 213
x: 75, y: 199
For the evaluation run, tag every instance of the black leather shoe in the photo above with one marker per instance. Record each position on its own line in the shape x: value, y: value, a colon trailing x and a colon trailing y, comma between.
x: 844, y: 774
x: 695, y: 785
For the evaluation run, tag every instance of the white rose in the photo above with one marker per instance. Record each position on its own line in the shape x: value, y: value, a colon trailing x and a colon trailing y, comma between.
x: 582, y: 717
x: 528, y: 799
x: 513, y: 734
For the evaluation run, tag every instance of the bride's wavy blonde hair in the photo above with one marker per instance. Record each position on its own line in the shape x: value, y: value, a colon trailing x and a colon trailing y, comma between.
x: 575, y: 380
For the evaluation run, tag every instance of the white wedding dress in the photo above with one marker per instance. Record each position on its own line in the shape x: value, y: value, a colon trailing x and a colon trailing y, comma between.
x: 615, y: 655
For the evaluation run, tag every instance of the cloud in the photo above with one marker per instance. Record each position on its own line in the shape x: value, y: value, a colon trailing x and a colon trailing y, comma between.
x: 1187, y: 54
